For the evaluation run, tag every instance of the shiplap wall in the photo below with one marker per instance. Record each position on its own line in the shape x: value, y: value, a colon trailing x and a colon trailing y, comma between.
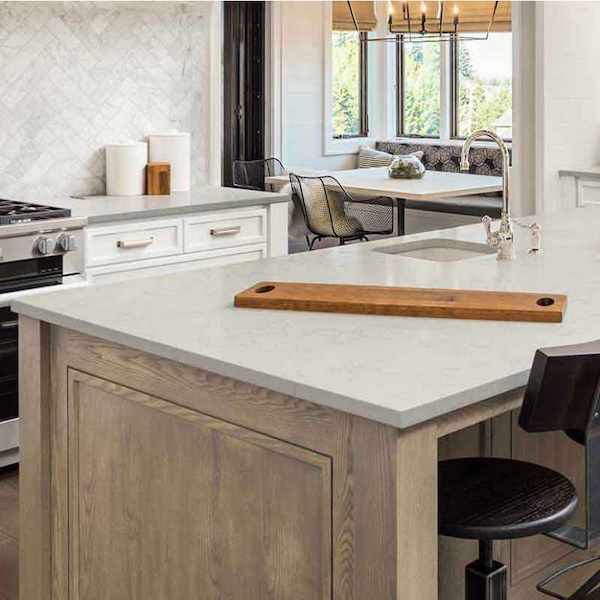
x: 567, y: 96
x: 77, y: 75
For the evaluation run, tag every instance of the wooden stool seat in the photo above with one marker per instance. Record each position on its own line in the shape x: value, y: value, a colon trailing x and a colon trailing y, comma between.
x: 494, y: 498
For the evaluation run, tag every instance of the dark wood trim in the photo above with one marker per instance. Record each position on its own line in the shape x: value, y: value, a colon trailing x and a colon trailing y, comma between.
x: 364, y: 84
x: 244, y: 83
x: 454, y: 89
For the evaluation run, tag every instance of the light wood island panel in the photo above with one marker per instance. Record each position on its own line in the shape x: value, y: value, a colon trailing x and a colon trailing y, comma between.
x: 145, y: 478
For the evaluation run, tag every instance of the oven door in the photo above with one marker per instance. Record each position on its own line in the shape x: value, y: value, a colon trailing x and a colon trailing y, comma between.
x: 14, y: 277
x: 9, y: 366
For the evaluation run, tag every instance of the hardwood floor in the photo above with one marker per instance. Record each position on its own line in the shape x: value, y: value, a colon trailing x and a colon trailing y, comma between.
x: 9, y: 533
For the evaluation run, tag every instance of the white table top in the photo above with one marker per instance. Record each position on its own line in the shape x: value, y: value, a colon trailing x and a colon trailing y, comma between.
x: 396, y: 370
x: 435, y: 185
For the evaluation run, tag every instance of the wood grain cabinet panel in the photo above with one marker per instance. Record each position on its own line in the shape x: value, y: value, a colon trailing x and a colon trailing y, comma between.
x: 166, y: 502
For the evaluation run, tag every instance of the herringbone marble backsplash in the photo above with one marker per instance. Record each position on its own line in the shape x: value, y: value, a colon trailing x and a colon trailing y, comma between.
x: 75, y: 76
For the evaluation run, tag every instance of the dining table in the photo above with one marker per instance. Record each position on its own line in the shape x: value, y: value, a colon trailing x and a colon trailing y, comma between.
x: 375, y: 181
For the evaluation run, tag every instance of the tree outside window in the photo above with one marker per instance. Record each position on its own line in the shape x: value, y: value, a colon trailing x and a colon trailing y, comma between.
x: 347, y: 91
x: 484, y: 85
x: 421, y: 65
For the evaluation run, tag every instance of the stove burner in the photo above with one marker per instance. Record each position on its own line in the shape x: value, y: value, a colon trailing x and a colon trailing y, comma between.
x: 12, y: 212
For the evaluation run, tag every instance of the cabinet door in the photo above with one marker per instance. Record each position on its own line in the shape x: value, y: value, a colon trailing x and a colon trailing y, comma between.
x: 588, y: 192
x: 166, y: 502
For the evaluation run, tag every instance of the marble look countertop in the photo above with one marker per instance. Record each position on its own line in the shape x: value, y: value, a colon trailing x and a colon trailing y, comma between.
x: 591, y: 172
x: 104, y: 209
x: 395, y: 370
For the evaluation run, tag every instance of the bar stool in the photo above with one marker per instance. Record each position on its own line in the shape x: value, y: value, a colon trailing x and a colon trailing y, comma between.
x: 491, y: 499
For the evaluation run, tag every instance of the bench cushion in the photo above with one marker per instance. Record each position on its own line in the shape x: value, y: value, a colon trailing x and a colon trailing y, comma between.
x: 367, y: 157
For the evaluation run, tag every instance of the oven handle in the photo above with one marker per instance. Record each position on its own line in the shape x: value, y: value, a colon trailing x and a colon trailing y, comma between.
x: 9, y: 324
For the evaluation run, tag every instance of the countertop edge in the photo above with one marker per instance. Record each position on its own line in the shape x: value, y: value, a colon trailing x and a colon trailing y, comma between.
x: 275, y: 198
x: 591, y: 172
x: 398, y: 419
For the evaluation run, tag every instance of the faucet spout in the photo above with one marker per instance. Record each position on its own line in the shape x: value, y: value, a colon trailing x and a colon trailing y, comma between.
x: 506, y: 159
x: 503, y: 239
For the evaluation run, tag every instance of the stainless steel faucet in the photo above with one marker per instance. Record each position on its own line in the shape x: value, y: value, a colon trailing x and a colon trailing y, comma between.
x: 503, y: 239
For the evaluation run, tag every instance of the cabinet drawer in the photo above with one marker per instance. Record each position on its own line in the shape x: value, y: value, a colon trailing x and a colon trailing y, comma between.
x: 225, y: 230
x: 134, y: 241
x: 176, y: 264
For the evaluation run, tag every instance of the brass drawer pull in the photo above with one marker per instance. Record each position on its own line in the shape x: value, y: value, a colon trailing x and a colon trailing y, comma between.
x: 225, y: 231
x: 128, y: 244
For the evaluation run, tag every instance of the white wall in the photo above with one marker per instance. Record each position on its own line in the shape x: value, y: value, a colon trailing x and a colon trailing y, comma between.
x: 299, y: 46
x: 77, y: 75
x: 567, y: 95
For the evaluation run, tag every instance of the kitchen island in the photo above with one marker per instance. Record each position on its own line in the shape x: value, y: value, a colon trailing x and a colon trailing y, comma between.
x: 174, y: 446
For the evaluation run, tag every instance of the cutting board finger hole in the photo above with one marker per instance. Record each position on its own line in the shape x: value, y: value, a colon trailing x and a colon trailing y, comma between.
x: 263, y: 289
x: 545, y: 301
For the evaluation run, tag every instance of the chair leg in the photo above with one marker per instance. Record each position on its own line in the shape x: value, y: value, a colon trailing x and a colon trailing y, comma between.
x: 342, y: 241
x: 401, y: 217
x: 307, y: 241
x: 486, y: 578
x: 312, y: 243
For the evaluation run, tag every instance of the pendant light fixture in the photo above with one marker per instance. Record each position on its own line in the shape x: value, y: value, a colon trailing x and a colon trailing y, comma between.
x: 441, y: 20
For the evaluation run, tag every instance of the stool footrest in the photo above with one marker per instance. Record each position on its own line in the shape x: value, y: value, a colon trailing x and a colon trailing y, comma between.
x: 485, y: 584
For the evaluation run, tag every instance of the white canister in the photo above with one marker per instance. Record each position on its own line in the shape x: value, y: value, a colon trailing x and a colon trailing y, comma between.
x: 126, y: 168
x: 173, y: 147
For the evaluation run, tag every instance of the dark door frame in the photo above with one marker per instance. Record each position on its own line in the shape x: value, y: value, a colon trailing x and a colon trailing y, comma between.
x: 243, y: 83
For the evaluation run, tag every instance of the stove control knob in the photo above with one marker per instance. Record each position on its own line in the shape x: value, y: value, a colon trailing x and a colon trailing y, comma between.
x: 66, y: 242
x: 44, y: 245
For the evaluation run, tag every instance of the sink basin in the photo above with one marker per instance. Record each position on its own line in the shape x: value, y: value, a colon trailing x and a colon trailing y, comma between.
x: 438, y: 250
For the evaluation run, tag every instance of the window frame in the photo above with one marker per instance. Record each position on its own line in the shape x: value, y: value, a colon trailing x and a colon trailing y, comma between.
x: 449, y: 119
x: 363, y: 91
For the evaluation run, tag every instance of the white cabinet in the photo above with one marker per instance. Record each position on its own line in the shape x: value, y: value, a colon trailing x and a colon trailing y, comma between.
x: 588, y: 192
x: 134, y: 241
x: 226, y: 229
x: 138, y: 248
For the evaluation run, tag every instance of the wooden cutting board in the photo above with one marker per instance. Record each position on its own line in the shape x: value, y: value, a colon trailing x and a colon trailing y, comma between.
x: 404, y: 301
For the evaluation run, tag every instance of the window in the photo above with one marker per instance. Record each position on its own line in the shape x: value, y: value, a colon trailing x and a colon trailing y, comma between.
x: 449, y: 89
x: 483, y: 85
x: 349, y: 84
x: 420, y: 75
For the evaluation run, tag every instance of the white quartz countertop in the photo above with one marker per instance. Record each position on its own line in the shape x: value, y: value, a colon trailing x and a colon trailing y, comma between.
x: 591, y: 172
x: 396, y: 370
x: 102, y: 209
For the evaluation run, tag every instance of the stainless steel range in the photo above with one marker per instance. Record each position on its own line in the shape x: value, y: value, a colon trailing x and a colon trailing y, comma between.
x: 40, y: 246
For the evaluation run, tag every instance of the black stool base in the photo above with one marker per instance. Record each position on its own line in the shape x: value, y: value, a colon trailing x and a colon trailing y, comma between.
x: 482, y: 583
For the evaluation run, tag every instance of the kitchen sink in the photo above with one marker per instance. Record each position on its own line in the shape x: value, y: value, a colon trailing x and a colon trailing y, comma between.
x: 438, y: 250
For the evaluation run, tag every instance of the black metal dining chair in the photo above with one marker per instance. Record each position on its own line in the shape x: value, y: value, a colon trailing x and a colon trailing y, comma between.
x: 490, y: 499
x: 250, y: 174
x: 330, y: 212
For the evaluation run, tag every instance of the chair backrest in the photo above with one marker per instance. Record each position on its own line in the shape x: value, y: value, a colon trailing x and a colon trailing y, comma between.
x: 250, y: 174
x: 322, y: 202
x: 563, y: 391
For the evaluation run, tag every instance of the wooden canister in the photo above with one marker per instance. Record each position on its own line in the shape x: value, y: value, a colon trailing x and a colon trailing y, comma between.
x: 158, y: 179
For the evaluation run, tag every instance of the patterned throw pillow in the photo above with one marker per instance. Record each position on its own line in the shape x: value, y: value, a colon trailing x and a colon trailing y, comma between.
x: 367, y: 157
